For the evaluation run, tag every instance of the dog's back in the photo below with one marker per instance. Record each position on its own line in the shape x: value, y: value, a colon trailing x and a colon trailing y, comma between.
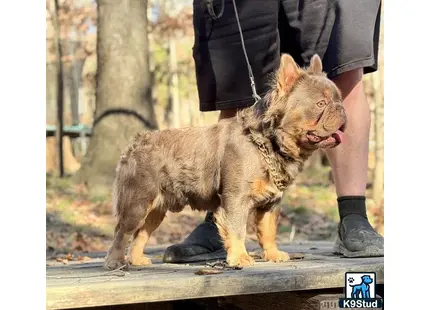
x: 172, y: 167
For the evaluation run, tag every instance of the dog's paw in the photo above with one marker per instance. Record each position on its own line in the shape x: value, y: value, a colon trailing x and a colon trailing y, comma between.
x: 113, y: 263
x: 242, y: 260
x: 140, y: 260
x: 276, y: 256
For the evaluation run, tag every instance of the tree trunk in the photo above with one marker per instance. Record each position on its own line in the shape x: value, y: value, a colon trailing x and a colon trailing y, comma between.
x: 74, y: 78
x: 60, y: 94
x: 123, y: 99
x: 51, y: 64
x: 51, y: 93
x: 174, y: 89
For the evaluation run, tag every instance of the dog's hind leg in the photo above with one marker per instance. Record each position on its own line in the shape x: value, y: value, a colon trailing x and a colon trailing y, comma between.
x: 124, y: 206
x: 141, y: 237
x: 115, y: 257
x: 131, y: 216
x: 231, y: 219
x: 266, y: 223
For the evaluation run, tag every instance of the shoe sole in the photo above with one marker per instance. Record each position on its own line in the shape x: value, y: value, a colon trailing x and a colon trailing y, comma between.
x: 370, y: 251
x: 219, y: 254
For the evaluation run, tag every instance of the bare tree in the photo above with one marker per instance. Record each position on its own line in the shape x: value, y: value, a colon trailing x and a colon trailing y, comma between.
x: 173, y: 81
x: 123, y: 97
x: 60, y: 89
x: 173, y: 22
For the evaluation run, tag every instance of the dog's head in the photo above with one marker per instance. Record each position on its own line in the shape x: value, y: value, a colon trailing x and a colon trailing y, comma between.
x: 366, y: 279
x: 305, y: 107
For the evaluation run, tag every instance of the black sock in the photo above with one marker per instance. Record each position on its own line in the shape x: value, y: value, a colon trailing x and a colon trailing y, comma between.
x: 351, y: 205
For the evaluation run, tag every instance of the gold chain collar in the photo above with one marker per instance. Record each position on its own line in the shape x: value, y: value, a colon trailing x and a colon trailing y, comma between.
x: 276, y: 170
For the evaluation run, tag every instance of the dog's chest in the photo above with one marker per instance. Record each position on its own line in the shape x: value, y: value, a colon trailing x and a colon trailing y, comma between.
x: 265, y: 192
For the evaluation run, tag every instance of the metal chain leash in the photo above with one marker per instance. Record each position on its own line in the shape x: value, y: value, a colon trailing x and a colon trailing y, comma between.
x: 282, y: 181
x: 251, y: 75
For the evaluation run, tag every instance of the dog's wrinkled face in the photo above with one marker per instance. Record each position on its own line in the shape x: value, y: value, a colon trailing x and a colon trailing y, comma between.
x: 309, y: 105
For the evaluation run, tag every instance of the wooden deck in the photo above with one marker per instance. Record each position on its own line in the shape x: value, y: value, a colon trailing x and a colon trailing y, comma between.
x: 86, y: 284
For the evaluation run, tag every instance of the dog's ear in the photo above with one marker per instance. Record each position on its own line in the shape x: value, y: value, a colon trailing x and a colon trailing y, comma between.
x: 288, y: 74
x: 316, y: 64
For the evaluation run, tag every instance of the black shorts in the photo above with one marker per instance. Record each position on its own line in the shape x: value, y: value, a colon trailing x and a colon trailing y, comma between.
x: 345, y: 33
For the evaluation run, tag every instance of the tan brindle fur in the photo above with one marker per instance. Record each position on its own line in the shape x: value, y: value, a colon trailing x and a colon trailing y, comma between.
x: 234, y: 166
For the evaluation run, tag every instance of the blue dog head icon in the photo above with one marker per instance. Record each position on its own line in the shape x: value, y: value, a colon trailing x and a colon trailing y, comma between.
x: 366, y: 279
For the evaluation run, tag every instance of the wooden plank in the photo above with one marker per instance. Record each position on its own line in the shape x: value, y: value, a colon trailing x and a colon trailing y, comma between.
x: 309, y: 300
x: 87, y: 284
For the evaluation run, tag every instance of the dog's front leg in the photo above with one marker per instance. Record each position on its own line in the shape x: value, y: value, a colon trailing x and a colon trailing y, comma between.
x: 367, y: 293
x: 231, y: 219
x: 266, y: 223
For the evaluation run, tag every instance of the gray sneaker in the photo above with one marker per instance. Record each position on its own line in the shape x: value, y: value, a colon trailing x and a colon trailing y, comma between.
x: 357, y: 238
x: 203, y: 244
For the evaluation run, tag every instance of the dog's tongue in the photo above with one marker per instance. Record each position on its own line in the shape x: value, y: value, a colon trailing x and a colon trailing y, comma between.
x: 338, y: 135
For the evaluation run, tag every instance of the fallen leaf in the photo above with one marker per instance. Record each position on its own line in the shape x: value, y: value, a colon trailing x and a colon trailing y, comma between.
x: 222, y: 265
x: 256, y: 255
x: 296, y: 256
x: 207, y: 271
x: 84, y: 258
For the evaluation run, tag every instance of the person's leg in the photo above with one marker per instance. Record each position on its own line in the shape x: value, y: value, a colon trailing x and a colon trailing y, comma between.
x: 326, y: 28
x: 227, y: 113
x: 349, y: 162
x: 346, y: 35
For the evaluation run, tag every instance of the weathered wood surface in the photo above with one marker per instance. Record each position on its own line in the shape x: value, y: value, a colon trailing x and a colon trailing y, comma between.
x: 299, y: 300
x: 87, y: 284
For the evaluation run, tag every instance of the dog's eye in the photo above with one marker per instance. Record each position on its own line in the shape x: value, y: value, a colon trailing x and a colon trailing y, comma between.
x: 321, y: 103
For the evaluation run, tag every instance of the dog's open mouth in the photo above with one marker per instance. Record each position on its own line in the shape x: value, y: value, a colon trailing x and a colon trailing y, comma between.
x: 334, y: 139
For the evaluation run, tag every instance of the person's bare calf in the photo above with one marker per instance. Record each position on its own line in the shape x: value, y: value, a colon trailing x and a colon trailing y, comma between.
x: 349, y: 162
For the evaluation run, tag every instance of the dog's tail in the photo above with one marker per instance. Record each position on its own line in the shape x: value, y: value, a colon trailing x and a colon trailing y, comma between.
x: 122, y: 191
x: 125, y: 179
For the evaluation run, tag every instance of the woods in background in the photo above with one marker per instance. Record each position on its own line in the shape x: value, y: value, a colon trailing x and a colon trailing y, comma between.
x: 124, y: 99
x: 122, y: 75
